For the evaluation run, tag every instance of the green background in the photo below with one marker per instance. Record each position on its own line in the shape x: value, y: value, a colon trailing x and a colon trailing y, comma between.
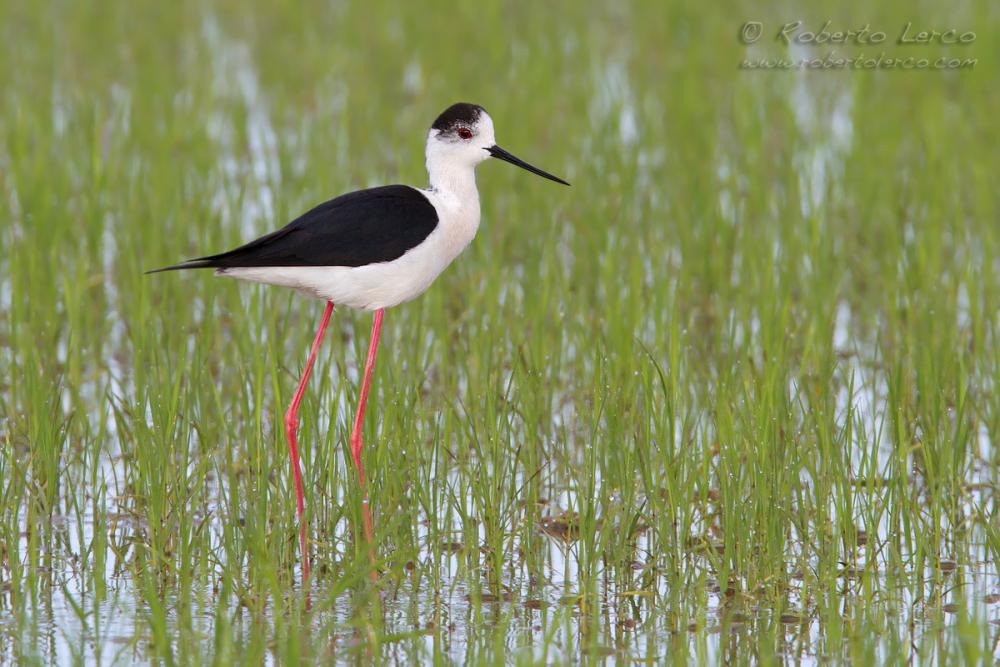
x: 732, y: 396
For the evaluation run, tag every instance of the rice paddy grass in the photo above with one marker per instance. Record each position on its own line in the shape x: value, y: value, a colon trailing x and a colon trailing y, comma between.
x: 731, y: 397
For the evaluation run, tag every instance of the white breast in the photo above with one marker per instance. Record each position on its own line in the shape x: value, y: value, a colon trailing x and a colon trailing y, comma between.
x: 385, y: 284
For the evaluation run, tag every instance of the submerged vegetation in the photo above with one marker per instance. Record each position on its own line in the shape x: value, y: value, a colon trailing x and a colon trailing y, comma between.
x: 733, y: 395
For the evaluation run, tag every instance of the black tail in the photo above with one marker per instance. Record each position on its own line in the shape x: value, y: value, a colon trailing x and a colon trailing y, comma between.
x: 203, y: 263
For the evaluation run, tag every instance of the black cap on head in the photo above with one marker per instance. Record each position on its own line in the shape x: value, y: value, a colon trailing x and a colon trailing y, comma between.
x: 462, y: 113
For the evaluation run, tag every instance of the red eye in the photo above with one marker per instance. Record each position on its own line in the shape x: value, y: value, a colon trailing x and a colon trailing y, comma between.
x: 465, y: 133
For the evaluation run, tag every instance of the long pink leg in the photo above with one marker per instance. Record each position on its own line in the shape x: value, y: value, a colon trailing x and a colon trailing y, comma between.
x: 291, y: 429
x: 356, y: 443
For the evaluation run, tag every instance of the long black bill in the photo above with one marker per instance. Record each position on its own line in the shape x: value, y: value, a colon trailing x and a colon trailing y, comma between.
x: 501, y: 154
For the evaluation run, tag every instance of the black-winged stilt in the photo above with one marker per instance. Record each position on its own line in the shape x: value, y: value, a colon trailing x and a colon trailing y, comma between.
x: 373, y: 249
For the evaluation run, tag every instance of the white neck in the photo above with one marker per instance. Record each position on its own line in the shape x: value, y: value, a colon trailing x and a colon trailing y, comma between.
x: 452, y: 180
x: 455, y: 196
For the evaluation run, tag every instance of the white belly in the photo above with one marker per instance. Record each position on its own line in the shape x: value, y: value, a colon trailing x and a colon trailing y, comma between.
x: 381, y: 285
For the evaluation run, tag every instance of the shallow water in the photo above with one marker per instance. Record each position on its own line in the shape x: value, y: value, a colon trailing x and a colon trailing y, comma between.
x: 724, y: 402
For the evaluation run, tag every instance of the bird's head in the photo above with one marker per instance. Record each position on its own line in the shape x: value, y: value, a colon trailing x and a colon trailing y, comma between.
x: 462, y: 137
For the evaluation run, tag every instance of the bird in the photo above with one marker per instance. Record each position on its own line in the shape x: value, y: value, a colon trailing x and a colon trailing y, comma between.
x: 370, y: 250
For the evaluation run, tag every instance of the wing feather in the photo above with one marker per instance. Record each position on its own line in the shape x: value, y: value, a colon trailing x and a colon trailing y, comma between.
x: 355, y: 229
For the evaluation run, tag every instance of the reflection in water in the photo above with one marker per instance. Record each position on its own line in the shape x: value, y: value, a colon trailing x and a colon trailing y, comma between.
x: 538, y: 592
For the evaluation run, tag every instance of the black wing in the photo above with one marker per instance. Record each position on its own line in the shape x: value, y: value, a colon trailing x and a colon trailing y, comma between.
x: 355, y: 229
